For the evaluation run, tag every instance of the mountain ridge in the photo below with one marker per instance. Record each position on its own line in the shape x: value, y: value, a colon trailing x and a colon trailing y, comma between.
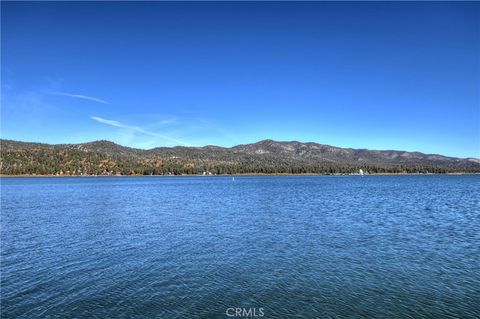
x: 265, y: 156
x: 227, y: 147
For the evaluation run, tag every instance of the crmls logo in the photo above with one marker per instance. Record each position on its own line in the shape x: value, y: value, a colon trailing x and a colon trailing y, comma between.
x: 244, y: 312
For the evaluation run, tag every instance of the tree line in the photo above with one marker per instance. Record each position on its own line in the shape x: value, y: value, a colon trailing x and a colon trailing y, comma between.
x: 72, y: 162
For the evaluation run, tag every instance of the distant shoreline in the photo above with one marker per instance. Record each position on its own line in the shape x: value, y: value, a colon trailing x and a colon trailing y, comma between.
x: 266, y: 157
x: 234, y: 175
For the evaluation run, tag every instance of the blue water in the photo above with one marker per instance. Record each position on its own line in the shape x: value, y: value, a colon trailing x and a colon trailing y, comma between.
x: 193, y: 247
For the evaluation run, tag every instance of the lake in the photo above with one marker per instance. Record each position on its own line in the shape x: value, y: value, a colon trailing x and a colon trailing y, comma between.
x: 274, y: 247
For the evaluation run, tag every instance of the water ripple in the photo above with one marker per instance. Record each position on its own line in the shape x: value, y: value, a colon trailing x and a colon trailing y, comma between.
x: 192, y: 247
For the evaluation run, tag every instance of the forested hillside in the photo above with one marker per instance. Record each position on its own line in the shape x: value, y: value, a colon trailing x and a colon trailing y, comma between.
x: 264, y: 157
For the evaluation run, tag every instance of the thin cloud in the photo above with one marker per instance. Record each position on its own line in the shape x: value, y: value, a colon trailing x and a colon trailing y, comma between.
x: 137, y: 129
x: 83, y: 97
x: 169, y: 121
x: 109, y: 122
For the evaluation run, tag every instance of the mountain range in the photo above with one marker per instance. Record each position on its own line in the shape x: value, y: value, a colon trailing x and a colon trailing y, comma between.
x: 264, y: 157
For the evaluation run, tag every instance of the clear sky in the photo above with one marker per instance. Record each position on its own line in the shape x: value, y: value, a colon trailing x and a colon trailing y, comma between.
x: 365, y: 75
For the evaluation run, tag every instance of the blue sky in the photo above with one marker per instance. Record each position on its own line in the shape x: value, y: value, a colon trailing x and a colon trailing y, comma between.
x: 365, y: 75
